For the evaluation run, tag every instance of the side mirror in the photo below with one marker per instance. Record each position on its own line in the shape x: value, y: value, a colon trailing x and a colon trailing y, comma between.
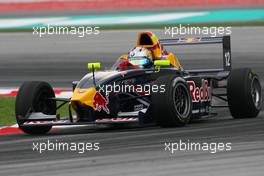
x: 162, y: 63
x: 94, y: 66
x: 74, y: 84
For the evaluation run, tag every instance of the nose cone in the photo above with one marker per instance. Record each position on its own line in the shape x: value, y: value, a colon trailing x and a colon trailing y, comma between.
x: 84, y: 96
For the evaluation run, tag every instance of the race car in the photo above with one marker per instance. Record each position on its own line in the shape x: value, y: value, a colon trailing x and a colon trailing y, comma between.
x: 161, y: 93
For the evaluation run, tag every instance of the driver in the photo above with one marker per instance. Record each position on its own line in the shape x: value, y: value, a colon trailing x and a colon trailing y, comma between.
x: 138, y: 57
x: 148, y: 49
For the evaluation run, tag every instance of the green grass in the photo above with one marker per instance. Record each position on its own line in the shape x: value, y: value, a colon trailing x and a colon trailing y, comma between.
x: 7, y: 111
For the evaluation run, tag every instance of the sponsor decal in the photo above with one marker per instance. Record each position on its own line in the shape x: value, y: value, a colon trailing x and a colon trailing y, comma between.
x: 138, y: 107
x: 190, y: 40
x: 81, y: 91
x: 200, y: 94
x: 100, y: 102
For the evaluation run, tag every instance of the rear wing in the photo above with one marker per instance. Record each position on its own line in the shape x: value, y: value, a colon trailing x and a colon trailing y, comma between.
x: 224, y: 40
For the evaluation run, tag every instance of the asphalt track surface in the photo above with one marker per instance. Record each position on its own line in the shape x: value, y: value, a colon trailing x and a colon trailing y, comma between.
x: 128, y: 151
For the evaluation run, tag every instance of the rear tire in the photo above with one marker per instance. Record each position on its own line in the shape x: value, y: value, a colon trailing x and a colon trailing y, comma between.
x: 244, y: 93
x: 33, y: 97
x: 174, y: 106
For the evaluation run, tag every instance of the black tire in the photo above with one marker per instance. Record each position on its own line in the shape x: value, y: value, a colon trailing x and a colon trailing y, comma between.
x: 164, y: 109
x: 244, y: 93
x: 32, y: 96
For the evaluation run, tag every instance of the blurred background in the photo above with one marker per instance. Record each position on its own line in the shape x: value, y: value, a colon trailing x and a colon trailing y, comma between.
x: 60, y: 59
x: 124, y: 12
x: 66, y: 7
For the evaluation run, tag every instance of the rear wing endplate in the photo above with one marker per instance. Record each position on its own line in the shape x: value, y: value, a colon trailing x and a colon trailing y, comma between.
x: 224, y: 40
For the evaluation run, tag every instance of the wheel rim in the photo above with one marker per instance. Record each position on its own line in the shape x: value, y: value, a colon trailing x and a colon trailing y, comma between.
x: 181, y: 100
x: 256, y: 93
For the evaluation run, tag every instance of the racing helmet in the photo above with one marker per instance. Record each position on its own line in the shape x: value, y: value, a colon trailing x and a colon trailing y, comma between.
x: 141, y: 57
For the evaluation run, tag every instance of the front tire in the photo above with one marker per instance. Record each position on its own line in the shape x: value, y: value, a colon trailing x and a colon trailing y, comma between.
x: 174, y: 106
x: 34, y: 97
x: 244, y: 93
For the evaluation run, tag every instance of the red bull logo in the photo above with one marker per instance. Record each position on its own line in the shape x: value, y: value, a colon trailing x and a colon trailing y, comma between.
x: 100, y: 102
x: 202, y: 93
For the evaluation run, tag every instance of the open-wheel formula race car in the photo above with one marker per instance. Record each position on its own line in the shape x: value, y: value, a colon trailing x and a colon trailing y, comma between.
x: 162, y: 93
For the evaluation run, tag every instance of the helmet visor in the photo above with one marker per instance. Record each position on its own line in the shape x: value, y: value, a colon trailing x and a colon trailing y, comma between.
x: 139, y: 61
